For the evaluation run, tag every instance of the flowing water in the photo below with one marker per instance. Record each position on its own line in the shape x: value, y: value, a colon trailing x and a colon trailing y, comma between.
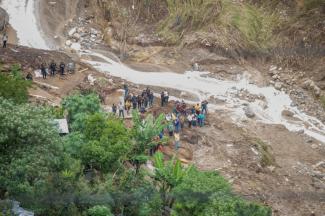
x: 23, y: 19
x: 22, y: 16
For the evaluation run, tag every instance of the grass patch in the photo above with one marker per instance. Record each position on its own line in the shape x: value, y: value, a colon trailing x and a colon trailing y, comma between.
x: 187, y: 16
x: 267, y: 158
x: 311, y: 4
x: 322, y: 100
x: 253, y: 24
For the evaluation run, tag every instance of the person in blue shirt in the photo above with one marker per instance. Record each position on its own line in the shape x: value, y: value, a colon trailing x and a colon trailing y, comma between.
x: 201, y: 117
x: 177, y: 124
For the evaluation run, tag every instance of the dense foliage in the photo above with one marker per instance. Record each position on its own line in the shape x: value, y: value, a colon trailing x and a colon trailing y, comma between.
x: 98, y: 169
x: 13, y: 86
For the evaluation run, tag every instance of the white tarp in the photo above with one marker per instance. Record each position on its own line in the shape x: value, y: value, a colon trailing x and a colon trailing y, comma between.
x: 62, y: 125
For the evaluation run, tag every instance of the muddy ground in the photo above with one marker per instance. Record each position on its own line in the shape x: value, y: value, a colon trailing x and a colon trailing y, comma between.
x: 264, y: 163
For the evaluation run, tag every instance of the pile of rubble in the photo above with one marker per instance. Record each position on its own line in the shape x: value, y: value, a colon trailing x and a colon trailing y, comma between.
x: 4, y: 18
x: 299, y: 88
x: 81, y: 36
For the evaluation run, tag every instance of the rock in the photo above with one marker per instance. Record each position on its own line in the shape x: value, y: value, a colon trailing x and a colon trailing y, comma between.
x: 76, y: 36
x: 81, y: 30
x: 91, y: 79
x: 287, y: 113
x: 52, y: 3
x: 195, y: 67
x: 293, y: 104
x: 310, y: 85
x: 275, y: 76
x: 317, y: 91
x: 249, y: 112
x: 278, y: 85
x: 68, y: 43
x: 271, y: 168
x: 263, y: 104
x: 94, y: 31
x: 314, y: 146
x: 4, y: 19
x: 183, y: 94
x: 72, y: 31
x: 273, y: 67
x: 76, y: 46
x: 301, y: 131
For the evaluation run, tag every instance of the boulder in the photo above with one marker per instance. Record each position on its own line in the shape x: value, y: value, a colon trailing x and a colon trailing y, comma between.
x: 72, y: 31
x: 249, y: 112
x: 4, y: 19
x: 310, y: 85
x: 278, y: 85
x: 68, y: 43
x: 76, y: 36
x: 287, y: 113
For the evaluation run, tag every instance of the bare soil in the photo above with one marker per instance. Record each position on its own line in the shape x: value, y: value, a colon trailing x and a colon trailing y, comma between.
x: 264, y: 163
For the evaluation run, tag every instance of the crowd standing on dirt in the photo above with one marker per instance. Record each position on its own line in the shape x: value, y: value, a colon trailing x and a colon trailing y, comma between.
x: 181, y: 115
x: 54, y: 68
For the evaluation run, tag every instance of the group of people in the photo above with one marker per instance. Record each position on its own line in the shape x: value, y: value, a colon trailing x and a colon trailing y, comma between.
x: 164, y: 96
x: 182, y: 116
x: 141, y: 102
x: 52, y: 69
x: 4, y: 40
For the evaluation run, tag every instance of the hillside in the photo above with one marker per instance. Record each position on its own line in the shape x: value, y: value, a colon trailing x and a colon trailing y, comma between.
x: 258, y: 64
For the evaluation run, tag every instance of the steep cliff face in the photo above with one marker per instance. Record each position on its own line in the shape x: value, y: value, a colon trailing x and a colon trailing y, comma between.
x: 3, y: 19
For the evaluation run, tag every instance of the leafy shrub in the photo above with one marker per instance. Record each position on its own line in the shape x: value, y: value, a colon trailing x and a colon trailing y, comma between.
x: 13, y: 86
x: 79, y: 106
x: 106, y: 142
x: 208, y: 193
x: 99, y: 211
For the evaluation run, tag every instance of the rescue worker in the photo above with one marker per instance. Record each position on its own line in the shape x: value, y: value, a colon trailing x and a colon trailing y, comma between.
x: 43, y: 71
x: 62, y: 68
x: 52, y: 68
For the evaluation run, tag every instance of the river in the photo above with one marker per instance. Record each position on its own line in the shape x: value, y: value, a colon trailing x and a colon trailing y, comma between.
x: 23, y: 18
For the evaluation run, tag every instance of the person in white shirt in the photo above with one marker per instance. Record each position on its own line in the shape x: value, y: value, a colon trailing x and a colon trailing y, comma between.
x: 4, y: 40
x: 120, y: 109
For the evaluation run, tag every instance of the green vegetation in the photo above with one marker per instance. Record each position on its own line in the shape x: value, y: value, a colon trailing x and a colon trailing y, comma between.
x: 13, y: 86
x: 96, y: 169
x: 250, y: 25
x: 311, y: 4
x: 186, y: 16
x: 267, y: 158
x: 99, y: 211
x: 255, y: 24
x: 322, y: 100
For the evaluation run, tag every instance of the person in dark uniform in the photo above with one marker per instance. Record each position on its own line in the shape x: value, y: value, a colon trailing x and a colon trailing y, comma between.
x: 62, y: 68
x: 53, y: 68
x: 43, y: 71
